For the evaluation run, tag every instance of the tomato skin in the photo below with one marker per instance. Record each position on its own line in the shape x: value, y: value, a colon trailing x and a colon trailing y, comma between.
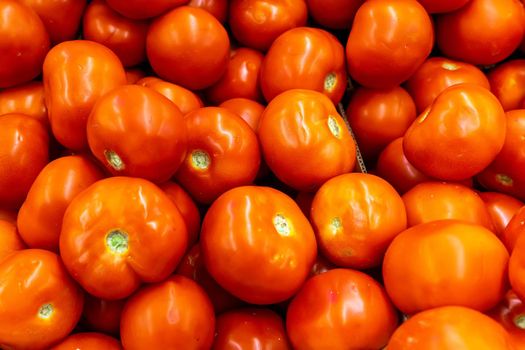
x: 133, y: 75
x: 218, y: 8
x: 76, y: 74
x: 141, y: 9
x: 335, y: 304
x: 180, y: 316
x: 501, y: 208
x: 388, y: 42
x: 121, y: 229
x: 10, y: 240
x: 334, y: 14
x: 425, y: 262
x: 441, y: 6
x: 102, y: 315
x: 517, y: 267
x: 507, y: 82
x: 37, y: 278
x: 250, y: 111
x: 509, y: 313
x: 25, y: 99
x: 514, y: 229
x: 188, y: 29
x: 301, y: 130
x: 88, y: 341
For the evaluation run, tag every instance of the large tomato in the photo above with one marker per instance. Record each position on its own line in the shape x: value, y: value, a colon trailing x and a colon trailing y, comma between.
x: 510, y: 313
x: 334, y: 14
x: 140, y: 9
x: 250, y: 111
x: 26, y: 99
x: 517, y: 267
x: 501, y: 208
x: 440, y: 6
x: 507, y: 83
x: 10, y: 240
x: 88, y: 341
x: 102, y: 315
x: 218, y: 8
x: 515, y: 228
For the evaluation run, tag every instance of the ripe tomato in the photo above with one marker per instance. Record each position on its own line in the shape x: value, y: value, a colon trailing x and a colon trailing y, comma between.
x: 257, y: 232
x: 133, y: 75
x: 39, y: 303
x: 125, y: 37
x: 440, y: 6
x: 510, y: 313
x: 460, y: 35
x: 119, y: 232
x: 180, y: 316
x: 26, y: 99
x: 250, y: 111
x: 501, y: 208
x: 140, y: 9
x: 321, y: 265
x: 304, y: 201
x: 517, y: 267
x: 218, y: 8
x: 438, y: 73
x: 10, y: 240
x: 88, y: 341
x: 507, y: 82
x: 332, y: 306
x: 188, y: 46
x: 257, y: 23
x: 334, y: 14
x: 459, y: 135
x: 388, y: 42
x: 515, y: 228
x: 102, y: 315
x: 355, y: 217
x: 8, y: 215
x: 304, y: 140
x: 76, y: 74
x: 135, y: 131
x: 439, y: 263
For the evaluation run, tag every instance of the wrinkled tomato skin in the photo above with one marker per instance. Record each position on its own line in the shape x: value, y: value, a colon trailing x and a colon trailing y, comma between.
x: 507, y: 83
x: 218, y: 8
x: 25, y: 99
x: 102, y: 315
x: 142, y: 9
x: 88, y: 341
x: 334, y: 14
x: 442, y: 6
x: 250, y: 111
x: 501, y: 208
x: 510, y: 314
x: 514, y: 229
x: 10, y: 240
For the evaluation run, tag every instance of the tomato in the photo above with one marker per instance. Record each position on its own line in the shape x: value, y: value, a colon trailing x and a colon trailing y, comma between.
x: 257, y: 232
x: 514, y: 229
x: 188, y: 46
x: 241, y: 78
x: 133, y: 75
x: 501, y: 208
x: 39, y: 303
x: 119, y: 232
x: 450, y: 328
x: 250, y: 111
x: 438, y: 73
x: 445, y: 262
x: 460, y: 35
x: 517, y: 267
x: 257, y: 23
x: 378, y: 117
x: 218, y: 8
x: 388, y: 42
x: 223, y: 153
x: 8, y: 215
x: 76, y: 74
x: 440, y: 6
x: 124, y: 36
x: 459, y: 135
x: 88, y: 341
x: 135, y: 131
x: 26, y: 99
x: 355, y: 217
x: 510, y: 313
x: 180, y: 316
x: 10, y: 240
x: 321, y: 265
x: 304, y: 201
x: 507, y: 82
x: 24, y: 43
x: 102, y: 315
x: 140, y: 9
x: 334, y: 14
x: 341, y: 309
x: 304, y: 140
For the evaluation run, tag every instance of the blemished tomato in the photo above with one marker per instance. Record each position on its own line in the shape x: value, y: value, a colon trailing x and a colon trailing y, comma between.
x: 76, y: 74
x: 26, y: 99
x: 517, y: 267
x: 501, y: 208
x: 441, y: 6
x: 515, y: 228
x: 39, y: 303
x: 88, y: 341
x: 102, y: 315
x: 218, y: 8
x: 250, y: 111
x: 189, y: 47
x: 355, y: 217
x: 439, y: 263
x: 24, y: 151
x: 257, y: 232
x: 510, y: 313
x: 388, y: 42
x: 334, y: 14
x: 10, y: 240
x: 438, y: 73
x: 135, y: 131
x: 119, y: 232
x: 125, y: 37
x: 24, y: 43
x: 141, y: 9
x: 179, y: 316
x: 338, y: 310
x: 223, y: 153
x: 450, y: 328
x: 507, y: 83
x: 460, y: 35
x: 133, y: 75
x: 304, y: 139
x: 257, y: 23
x: 459, y: 135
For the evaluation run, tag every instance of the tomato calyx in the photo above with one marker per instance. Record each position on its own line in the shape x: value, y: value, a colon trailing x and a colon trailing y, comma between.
x: 114, y: 160
x: 519, y: 321
x: 330, y: 82
x: 505, y: 180
x: 46, y: 311
x: 200, y: 160
x: 334, y: 127
x: 282, y: 225
x: 117, y: 241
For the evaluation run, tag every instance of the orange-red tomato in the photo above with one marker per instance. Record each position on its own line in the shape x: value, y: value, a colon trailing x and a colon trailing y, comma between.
x: 321, y: 265
x: 338, y: 310
x: 133, y: 75
x: 119, y: 232
x: 102, y: 315
x: 26, y: 99
x: 446, y: 262
x: 218, y: 8
x: 304, y: 140
x: 517, y: 267
x: 388, y: 42
x: 507, y: 83
x: 140, y: 9
x: 481, y: 32
x: 88, y: 341
x: 10, y: 240
x: 510, y: 313
x: 8, y: 215
x: 440, y: 6
x: 355, y: 217
x: 501, y: 208
x: 76, y: 74
x: 188, y: 46
x: 250, y: 111
x: 39, y: 303
x: 179, y: 316
x: 515, y: 228
x: 334, y: 14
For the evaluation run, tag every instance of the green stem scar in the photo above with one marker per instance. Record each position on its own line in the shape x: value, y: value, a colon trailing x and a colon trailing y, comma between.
x: 282, y: 226
x: 200, y: 160
x: 45, y: 311
x: 114, y: 160
x: 505, y: 180
x: 117, y: 241
x: 519, y: 321
x: 333, y: 125
x: 330, y: 82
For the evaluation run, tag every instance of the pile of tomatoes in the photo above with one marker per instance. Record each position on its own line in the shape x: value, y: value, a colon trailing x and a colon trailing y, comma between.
x: 180, y: 174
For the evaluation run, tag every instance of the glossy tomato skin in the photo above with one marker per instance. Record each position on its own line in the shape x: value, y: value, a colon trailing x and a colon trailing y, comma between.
x: 26, y: 99
x: 250, y: 111
x: 133, y: 75
x: 299, y: 131
x: 102, y: 315
x: 331, y: 307
x: 507, y: 82
x: 180, y: 316
x: 258, y: 232
x: 135, y: 131
x: 141, y: 9
x: 334, y: 14
x: 510, y: 313
x: 218, y: 8
x: 441, y: 6
x: 517, y: 267
x: 388, y: 41
x: 10, y: 240
x: 501, y: 208
x: 88, y: 341
x: 119, y: 232
x: 76, y: 74
x: 514, y: 229
x: 40, y: 303
x: 189, y: 47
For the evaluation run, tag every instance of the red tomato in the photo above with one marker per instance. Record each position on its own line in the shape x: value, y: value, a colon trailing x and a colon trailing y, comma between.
x: 250, y: 111
x: 188, y: 46
x: 304, y: 201
x: 304, y: 140
x: 133, y: 75
x: 24, y: 43
x: 10, y: 240
x: 440, y: 6
x: 334, y: 14
x: 26, y: 99
x: 102, y: 315
x: 510, y: 313
x: 88, y: 341
x: 321, y: 265
x: 257, y: 23
x: 501, y: 208
x: 514, y: 229
x: 482, y: 32
x: 388, y: 42
x: 507, y: 82
x: 517, y: 267
x: 40, y: 304
x: 218, y: 8
x: 8, y: 215
x: 341, y: 309
x: 140, y: 9
x: 179, y: 316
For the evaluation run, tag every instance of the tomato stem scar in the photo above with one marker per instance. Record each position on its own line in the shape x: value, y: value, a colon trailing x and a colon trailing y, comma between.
x: 334, y: 127
x: 45, y: 311
x: 281, y: 224
x: 450, y: 66
x: 330, y: 82
x: 505, y: 180
x: 117, y: 241
x: 519, y: 321
x: 336, y: 224
x: 114, y: 160
x: 200, y: 159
